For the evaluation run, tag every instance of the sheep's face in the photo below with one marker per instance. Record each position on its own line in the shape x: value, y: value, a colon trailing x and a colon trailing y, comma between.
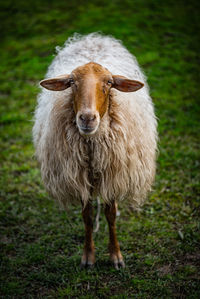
x: 91, y: 84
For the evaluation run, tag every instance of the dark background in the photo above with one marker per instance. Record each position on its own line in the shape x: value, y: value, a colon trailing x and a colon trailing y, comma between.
x: 41, y: 245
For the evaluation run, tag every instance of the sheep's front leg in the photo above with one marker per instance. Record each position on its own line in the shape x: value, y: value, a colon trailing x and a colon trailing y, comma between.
x: 88, y: 257
x: 114, y: 249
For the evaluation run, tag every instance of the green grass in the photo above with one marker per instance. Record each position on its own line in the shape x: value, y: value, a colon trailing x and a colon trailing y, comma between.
x: 40, y: 244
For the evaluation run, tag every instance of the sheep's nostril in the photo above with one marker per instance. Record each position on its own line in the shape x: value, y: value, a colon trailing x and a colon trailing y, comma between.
x: 82, y: 117
x: 87, y: 117
x: 92, y: 117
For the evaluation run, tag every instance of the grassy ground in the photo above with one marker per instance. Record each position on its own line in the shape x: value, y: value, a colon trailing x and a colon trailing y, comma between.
x: 40, y: 244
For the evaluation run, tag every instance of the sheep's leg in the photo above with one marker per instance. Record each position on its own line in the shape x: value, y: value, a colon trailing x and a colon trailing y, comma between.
x: 88, y: 257
x: 114, y: 249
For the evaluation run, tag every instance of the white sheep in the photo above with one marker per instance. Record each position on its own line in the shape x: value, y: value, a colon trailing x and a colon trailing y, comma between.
x: 95, y: 136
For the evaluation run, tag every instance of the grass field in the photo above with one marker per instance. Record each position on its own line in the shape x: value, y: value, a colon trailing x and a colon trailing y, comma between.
x: 40, y: 244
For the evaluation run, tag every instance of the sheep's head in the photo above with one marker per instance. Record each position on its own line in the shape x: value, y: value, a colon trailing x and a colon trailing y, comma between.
x: 91, y: 85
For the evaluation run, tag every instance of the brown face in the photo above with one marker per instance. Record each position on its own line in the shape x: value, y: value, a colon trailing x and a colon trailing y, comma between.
x: 91, y: 84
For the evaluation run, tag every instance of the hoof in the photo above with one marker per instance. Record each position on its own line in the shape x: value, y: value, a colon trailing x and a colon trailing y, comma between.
x: 87, y: 260
x: 119, y: 264
x: 88, y: 265
x: 117, y: 260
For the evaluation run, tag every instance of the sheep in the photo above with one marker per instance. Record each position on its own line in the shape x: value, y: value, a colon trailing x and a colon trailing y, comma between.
x: 95, y: 132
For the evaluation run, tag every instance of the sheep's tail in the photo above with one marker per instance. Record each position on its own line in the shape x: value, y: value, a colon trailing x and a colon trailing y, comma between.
x: 97, y: 216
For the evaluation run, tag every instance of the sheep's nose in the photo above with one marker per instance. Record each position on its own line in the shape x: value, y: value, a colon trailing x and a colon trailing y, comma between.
x: 87, y: 117
x: 87, y: 122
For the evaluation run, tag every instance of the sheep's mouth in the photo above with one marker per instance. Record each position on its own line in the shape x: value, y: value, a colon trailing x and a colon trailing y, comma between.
x: 87, y: 130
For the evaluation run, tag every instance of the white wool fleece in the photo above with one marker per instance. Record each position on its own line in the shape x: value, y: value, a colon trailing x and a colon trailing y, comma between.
x: 124, y: 148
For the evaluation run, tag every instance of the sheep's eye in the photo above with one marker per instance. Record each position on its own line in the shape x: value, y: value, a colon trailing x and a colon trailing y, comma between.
x: 71, y: 81
x: 109, y: 82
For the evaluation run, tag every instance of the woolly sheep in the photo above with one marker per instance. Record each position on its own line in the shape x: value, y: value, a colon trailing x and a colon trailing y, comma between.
x: 94, y: 136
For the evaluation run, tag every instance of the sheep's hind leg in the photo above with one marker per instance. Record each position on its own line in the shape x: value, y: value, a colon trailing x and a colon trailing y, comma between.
x: 114, y: 249
x: 88, y: 257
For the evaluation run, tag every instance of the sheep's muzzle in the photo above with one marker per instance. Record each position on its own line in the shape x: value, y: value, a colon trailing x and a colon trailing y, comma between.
x: 87, y: 122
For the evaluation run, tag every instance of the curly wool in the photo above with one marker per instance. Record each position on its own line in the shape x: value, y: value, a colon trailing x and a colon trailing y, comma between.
x: 119, y: 161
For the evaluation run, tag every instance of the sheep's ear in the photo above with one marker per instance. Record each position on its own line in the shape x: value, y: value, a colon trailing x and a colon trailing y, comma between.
x: 123, y: 84
x: 58, y: 83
